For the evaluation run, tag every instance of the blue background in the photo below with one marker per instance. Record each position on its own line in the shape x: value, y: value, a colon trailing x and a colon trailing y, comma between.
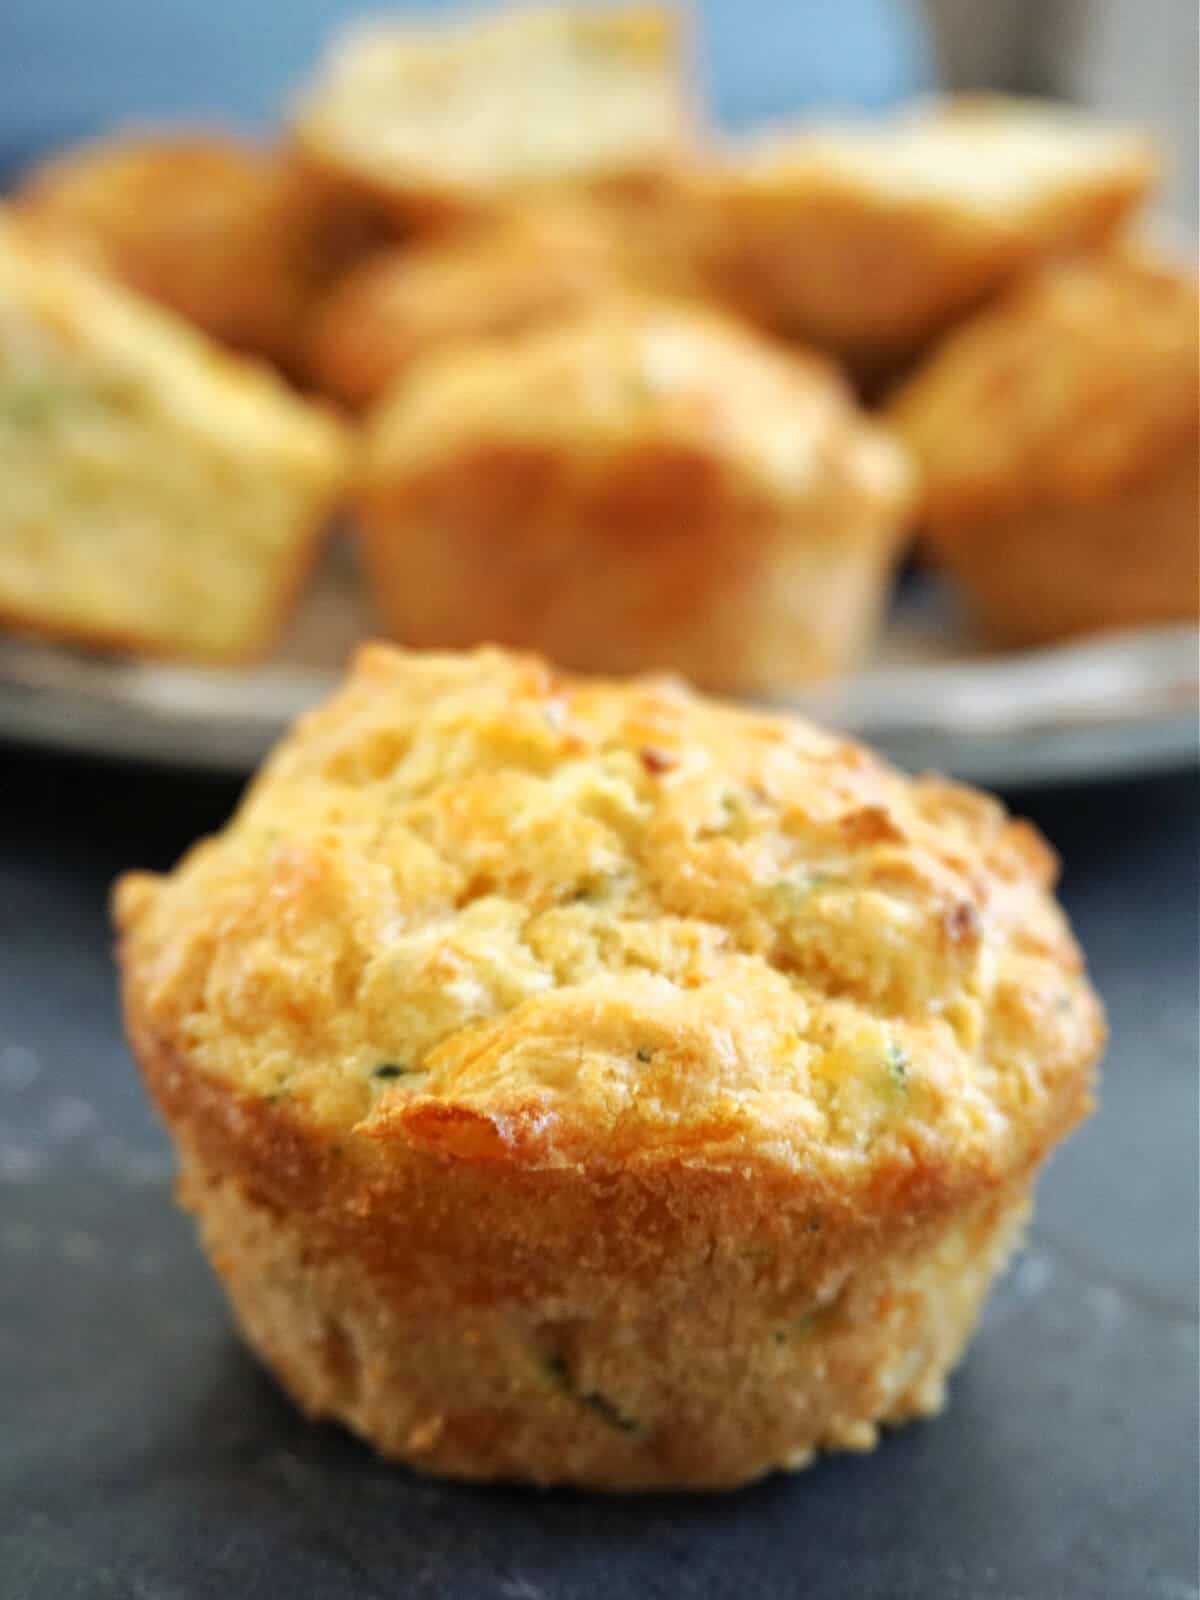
x: 69, y: 68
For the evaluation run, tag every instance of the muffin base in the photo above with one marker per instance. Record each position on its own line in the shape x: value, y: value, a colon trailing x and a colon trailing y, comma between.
x: 642, y: 1396
x: 659, y: 562
x: 1044, y: 573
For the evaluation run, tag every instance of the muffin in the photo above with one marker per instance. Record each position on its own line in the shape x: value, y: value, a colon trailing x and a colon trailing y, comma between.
x: 650, y: 486
x: 581, y: 1082
x: 869, y: 239
x: 238, y: 239
x: 160, y: 496
x: 445, y: 120
x: 1060, y: 436
x: 526, y: 270
x: 524, y: 267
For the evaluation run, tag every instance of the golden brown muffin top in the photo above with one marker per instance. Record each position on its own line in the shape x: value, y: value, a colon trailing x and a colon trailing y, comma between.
x: 190, y: 218
x: 990, y: 159
x: 1070, y: 386
x: 238, y: 238
x: 635, y: 373
x: 524, y: 269
x: 503, y: 914
x: 528, y: 94
x: 115, y: 191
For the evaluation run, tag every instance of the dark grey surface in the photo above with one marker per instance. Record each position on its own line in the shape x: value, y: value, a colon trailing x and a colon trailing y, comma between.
x: 143, y: 1454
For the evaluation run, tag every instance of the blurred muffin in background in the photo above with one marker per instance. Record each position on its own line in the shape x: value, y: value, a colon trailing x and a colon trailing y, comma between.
x: 662, y: 233
x: 649, y: 486
x: 446, y: 120
x: 1059, y: 433
x: 238, y: 239
x: 160, y: 496
x: 529, y: 266
x: 867, y: 240
x: 504, y: 278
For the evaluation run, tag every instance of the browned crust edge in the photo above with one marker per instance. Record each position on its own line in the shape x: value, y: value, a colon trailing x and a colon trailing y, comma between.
x: 486, y: 1233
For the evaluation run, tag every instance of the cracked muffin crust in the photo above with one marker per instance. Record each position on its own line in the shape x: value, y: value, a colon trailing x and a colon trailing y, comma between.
x: 579, y: 1081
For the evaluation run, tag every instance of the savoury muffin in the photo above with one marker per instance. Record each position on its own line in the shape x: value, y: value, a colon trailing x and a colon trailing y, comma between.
x: 647, y: 487
x: 527, y: 269
x: 583, y: 1082
x: 524, y: 267
x: 159, y: 495
x: 869, y: 239
x: 446, y: 120
x: 238, y: 239
x: 1060, y: 436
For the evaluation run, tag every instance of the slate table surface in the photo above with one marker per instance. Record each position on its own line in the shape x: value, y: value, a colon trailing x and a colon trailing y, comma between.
x: 144, y: 1454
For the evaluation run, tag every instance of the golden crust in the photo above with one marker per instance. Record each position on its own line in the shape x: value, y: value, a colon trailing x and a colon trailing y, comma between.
x: 1046, y: 572
x: 648, y: 486
x: 673, y: 1075
x: 159, y: 496
x: 239, y: 240
x: 695, y: 1392
x: 1080, y: 380
x: 1059, y: 433
x: 523, y: 271
x: 659, y: 233
x: 446, y: 121
x: 869, y: 240
x: 526, y: 266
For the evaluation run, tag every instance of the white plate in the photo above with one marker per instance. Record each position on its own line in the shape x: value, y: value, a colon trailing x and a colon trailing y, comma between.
x: 930, y: 698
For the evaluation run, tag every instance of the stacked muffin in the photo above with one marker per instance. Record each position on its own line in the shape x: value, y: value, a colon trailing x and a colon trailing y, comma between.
x: 605, y: 374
